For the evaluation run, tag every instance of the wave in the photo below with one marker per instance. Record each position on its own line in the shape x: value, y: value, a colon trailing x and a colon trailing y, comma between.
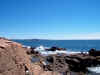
x: 94, y: 70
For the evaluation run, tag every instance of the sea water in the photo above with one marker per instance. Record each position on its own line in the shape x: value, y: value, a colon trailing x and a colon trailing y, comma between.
x: 70, y: 45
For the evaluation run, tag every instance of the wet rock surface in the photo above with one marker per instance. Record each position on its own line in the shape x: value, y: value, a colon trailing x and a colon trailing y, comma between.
x: 67, y: 63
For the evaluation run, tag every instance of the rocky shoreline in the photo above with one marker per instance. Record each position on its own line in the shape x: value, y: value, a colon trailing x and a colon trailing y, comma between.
x: 16, y: 60
x: 69, y: 63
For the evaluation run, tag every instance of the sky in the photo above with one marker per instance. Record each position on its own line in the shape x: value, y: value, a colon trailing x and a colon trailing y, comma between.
x: 50, y: 19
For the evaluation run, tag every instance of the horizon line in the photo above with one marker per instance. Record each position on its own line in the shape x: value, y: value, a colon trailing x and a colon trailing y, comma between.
x: 47, y: 39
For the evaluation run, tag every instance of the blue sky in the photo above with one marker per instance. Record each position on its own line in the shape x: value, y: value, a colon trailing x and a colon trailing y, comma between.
x: 50, y: 19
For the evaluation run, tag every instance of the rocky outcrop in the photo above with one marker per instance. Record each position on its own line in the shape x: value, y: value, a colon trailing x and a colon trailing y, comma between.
x: 13, y: 58
x: 94, y: 52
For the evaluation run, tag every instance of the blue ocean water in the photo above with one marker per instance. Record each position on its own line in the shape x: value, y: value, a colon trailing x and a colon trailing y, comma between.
x: 71, y: 45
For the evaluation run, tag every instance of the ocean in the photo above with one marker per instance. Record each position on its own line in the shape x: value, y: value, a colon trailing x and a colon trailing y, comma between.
x: 70, y: 45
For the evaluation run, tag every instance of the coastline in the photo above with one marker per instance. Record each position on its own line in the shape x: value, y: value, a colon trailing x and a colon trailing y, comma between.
x: 19, y: 56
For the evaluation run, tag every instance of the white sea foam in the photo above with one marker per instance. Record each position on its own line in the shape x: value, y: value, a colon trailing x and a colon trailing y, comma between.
x: 57, y: 52
x: 42, y: 51
x: 94, y: 69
